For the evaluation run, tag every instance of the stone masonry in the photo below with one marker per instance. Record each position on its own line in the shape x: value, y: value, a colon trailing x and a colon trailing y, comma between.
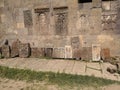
x: 57, y: 24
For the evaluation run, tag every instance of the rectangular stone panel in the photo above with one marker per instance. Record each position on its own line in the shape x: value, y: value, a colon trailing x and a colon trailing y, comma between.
x: 77, y: 53
x: 68, y: 52
x: 61, y: 20
x: 48, y: 52
x: 37, y: 52
x: 24, y: 50
x: 96, y: 49
x: 75, y: 42
x: 59, y: 52
x: 105, y: 54
x: 28, y: 22
x: 42, y: 21
x: 86, y: 53
x: 15, y: 48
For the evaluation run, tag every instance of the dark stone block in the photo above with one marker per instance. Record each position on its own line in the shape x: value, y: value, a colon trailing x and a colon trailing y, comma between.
x: 6, y: 51
x: 77, y: 53
x: 48, y: 52
x: 24, y: 50
x: 105, y: 54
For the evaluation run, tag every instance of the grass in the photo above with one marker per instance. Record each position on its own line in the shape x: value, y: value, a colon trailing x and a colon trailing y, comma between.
x: 53, y: 78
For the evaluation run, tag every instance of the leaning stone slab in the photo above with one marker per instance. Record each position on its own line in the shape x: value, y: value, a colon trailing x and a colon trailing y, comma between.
x: 6, y: 51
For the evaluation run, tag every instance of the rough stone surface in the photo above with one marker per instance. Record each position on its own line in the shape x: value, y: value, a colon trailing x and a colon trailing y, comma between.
x: 46, y: 24
x: 77, y: 53
x: 37, y: 52
x: 24, y: 50
x: 6, y: 51
x: 105, y: 54
x: 59, y: 52
x: 112, y: 69
x: 118, y: 67
x: 15, y: 48
x: 86, y: 53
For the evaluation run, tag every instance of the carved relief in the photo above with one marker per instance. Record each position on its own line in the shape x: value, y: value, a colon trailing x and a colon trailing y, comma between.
x: 109, y: 22
x: 61, y: 21
x: 42, y: 21
x: 27, y: 18
x: 75, y: 42
x: 83, y: 23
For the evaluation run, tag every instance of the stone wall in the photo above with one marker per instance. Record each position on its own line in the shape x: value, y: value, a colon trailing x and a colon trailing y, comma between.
x: 55, y: 23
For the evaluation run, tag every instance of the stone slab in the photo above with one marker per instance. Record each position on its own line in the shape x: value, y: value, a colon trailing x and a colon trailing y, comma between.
x: 24, y: 50
x: 6, y: 51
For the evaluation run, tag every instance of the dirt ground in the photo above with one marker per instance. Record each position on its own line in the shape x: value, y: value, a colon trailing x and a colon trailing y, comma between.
x: 65, y: 66
x: 62, y: 66
x: 7, y: 84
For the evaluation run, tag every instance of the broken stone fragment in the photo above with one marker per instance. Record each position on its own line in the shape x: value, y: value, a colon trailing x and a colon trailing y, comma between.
x: 112, y: 69
x: 24, y: 50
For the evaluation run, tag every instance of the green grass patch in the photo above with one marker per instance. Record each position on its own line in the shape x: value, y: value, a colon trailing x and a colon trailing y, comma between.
x: 53, y: 78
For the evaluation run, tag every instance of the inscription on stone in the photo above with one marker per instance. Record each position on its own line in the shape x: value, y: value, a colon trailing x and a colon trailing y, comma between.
x: 61, y: 21
x: 28, y: 22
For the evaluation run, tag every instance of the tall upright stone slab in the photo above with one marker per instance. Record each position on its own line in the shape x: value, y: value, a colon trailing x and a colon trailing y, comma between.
x: 105, y: 54
x: 96, y: 50
x: 15, y: 48
x: 24, y: 50
x: 6, y: 51
x: 68, y: 52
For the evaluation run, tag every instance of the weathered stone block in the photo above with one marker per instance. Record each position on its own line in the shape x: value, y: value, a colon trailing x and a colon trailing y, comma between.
x: 48, y: 52
x: 96, y: 3
x: 59, y: 52
x: 105, y: 54
x: 75, y: 42
x: 24, y: 50
x: 15, y: 48
x: 68, y: 52
x: 6, y: 51
x: 86, y: 53
x: 77, y: 53
x: 37, y: 52
x: 96, y: 50
x: 20, y: 25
